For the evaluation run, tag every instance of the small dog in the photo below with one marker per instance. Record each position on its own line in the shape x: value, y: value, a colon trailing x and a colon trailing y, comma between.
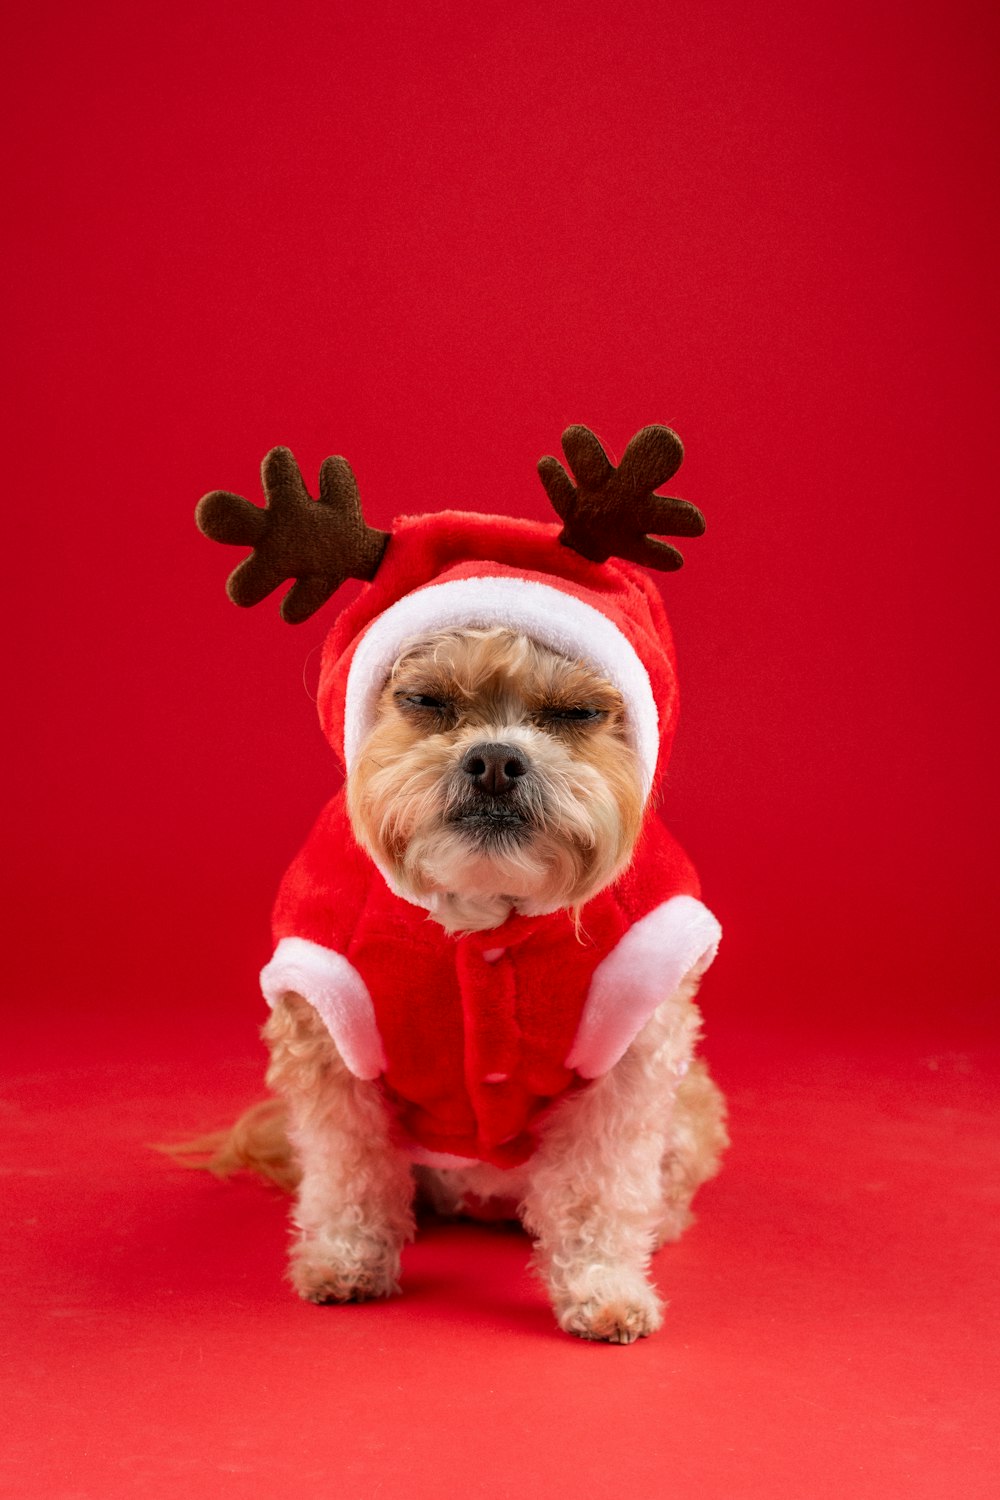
x: 483, y: 990
x: 497, y: 777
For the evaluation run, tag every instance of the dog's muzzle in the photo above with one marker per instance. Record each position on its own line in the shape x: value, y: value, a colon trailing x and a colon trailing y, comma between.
x: 490, y: 790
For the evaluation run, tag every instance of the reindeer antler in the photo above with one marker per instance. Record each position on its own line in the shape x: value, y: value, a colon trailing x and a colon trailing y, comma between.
x: 317, y: 542
x: 610, y: 512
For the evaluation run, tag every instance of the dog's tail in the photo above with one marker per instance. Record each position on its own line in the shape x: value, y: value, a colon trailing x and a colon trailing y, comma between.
x: 257, y: 1142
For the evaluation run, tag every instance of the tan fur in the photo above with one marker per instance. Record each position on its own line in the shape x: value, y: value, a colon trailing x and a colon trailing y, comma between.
x: 500, y: 686
x: 258, y: 1142
x: 617, y: 1163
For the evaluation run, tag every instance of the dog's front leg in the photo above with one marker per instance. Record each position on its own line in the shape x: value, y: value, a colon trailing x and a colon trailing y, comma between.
x: 353, y: 1212
x: 595, y: 1201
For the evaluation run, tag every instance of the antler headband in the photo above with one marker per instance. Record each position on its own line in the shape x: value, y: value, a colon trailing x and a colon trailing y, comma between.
x: 608, y: 513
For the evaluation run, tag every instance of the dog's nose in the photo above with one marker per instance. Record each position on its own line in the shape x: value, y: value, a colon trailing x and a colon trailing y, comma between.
x: 494, y: 769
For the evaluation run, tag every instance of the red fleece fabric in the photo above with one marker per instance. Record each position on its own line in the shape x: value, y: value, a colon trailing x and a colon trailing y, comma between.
x: 449, y: 1018
x: 476, y: 1050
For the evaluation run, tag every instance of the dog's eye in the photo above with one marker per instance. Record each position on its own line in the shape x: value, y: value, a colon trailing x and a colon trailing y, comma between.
x: 574, y: 715
x: 422, y: 700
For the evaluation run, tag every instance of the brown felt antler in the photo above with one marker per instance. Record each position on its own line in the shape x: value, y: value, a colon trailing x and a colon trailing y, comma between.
x: 610, y: 512
x: 319, y: 543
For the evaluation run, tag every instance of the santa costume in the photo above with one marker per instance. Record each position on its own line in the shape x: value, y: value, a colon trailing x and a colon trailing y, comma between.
x: 472, y: 1038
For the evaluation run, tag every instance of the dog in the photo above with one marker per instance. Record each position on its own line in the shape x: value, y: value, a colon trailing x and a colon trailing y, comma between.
x: 488, y: 951
x: 496, y: 779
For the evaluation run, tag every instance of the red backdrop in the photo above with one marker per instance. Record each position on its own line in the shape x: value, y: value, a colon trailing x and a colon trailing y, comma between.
x: 430, y: 239
x: 429, y: 236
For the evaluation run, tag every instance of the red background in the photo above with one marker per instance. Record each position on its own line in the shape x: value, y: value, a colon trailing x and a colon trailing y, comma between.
x: 429, y: 237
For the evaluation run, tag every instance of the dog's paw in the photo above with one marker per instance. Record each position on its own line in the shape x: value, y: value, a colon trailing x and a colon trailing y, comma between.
x: 620, y: 1310
x: 355, y: 1277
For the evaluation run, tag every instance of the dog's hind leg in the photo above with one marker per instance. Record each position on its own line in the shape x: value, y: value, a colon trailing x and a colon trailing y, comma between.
x: 353, y: 1209
x: 697, y: 1139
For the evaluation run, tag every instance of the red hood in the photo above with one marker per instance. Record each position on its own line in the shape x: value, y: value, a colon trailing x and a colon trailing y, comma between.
x: 457, y: 568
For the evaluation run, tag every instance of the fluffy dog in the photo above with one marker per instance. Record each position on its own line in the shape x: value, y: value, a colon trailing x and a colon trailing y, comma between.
x: 497, y: 777
x: 487, y: 951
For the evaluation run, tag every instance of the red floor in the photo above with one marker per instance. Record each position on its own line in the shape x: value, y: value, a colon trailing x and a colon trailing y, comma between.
x: 832, y: 1329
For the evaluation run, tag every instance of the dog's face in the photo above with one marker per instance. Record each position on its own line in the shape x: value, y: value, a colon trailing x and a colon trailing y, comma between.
x: 498, y: 777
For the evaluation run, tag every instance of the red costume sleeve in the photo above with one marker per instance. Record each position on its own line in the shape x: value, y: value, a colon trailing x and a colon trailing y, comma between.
x: 325, y: 888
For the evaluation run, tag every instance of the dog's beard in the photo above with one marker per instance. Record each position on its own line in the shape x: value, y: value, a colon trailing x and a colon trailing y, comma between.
x: 562, y: 833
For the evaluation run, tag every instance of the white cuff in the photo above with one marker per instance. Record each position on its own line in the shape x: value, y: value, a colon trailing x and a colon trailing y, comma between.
x: 672, y: 941
x: 338, y: 993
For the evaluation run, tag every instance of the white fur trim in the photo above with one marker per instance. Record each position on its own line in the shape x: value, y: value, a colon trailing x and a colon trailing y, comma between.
x: 556, y: 619
x: 443, y: 1160
x: 641, y: 971
x: 338, y: 993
